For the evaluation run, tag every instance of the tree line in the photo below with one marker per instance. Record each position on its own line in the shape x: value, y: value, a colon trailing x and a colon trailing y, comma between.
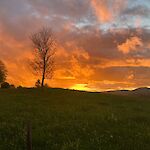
x: 44, y: 48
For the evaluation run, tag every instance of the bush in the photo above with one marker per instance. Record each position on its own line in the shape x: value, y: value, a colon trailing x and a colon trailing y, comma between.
x: 38, y: 83
x: 5, y: 85
x: 19, y: 87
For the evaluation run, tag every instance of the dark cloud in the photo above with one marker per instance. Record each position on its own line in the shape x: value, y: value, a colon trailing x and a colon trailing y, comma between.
x: 105, y: 44
x: 67, y: 9
x: 139, y: 10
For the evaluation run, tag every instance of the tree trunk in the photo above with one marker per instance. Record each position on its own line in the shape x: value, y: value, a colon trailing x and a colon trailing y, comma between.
x: 42, y: 84
x: 43, y: 75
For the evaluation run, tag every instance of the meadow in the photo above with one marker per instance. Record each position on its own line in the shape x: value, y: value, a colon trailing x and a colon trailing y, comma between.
x: 72, y: 120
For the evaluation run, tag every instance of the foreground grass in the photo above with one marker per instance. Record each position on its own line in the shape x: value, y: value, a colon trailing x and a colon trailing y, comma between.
x: 70, y: 120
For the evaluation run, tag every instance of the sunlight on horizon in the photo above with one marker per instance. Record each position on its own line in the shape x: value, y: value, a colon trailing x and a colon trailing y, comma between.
x: 80, y: 87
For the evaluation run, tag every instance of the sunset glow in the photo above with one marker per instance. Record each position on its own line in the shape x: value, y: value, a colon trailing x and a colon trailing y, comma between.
x: 101, y: 44
x: 81, y: 87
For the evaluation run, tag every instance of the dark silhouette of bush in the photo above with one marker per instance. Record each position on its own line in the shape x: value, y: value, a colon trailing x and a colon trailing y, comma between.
x: 5, y: 85
x: 38, y: 83
x: 19, y: 87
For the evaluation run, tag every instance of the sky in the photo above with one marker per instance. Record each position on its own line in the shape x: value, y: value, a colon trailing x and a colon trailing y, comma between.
x: 101, y: 44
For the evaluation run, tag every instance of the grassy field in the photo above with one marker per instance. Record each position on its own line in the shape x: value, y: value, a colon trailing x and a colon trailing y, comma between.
x: 71, y: 120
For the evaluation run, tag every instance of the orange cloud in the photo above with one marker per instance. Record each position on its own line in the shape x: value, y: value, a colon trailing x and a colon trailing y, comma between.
x: 130, y: 62
x: 131, y: 44
x: 107, y: 10
x: 107, y: 85
x: 102, y: 11
x: 68, y: 63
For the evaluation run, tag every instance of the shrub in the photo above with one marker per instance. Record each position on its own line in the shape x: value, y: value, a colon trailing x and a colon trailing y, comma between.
x: 19, y: 87
x: 38, y: 83
x: 5, y: 85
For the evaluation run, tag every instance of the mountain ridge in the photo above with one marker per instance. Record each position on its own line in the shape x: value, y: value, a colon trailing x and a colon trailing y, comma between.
x: 142, y: 91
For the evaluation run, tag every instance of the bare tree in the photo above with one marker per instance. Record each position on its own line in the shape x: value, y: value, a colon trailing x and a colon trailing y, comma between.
x: 3, y: 72
x: 44, y: 50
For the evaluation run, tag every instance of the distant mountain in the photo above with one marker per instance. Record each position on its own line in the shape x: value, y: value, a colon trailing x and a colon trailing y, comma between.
x: 143, y: 91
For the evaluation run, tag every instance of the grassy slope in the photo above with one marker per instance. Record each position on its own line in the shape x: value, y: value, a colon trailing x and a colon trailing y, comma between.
x: 70, y: 120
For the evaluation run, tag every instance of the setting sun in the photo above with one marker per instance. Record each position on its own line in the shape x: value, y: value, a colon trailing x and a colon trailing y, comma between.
x: 80, y: 87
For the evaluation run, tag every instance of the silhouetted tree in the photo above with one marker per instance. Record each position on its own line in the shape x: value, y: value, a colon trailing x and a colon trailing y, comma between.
x: 44, y: 45
x: 19, y: 87
x: 3, y: 72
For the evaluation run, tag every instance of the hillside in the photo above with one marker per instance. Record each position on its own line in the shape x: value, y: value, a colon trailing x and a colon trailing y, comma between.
x: 143, y: 91
x: 73, y: 120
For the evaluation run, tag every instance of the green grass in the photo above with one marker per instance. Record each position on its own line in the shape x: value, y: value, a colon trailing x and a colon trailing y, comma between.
x: 71, y: 120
